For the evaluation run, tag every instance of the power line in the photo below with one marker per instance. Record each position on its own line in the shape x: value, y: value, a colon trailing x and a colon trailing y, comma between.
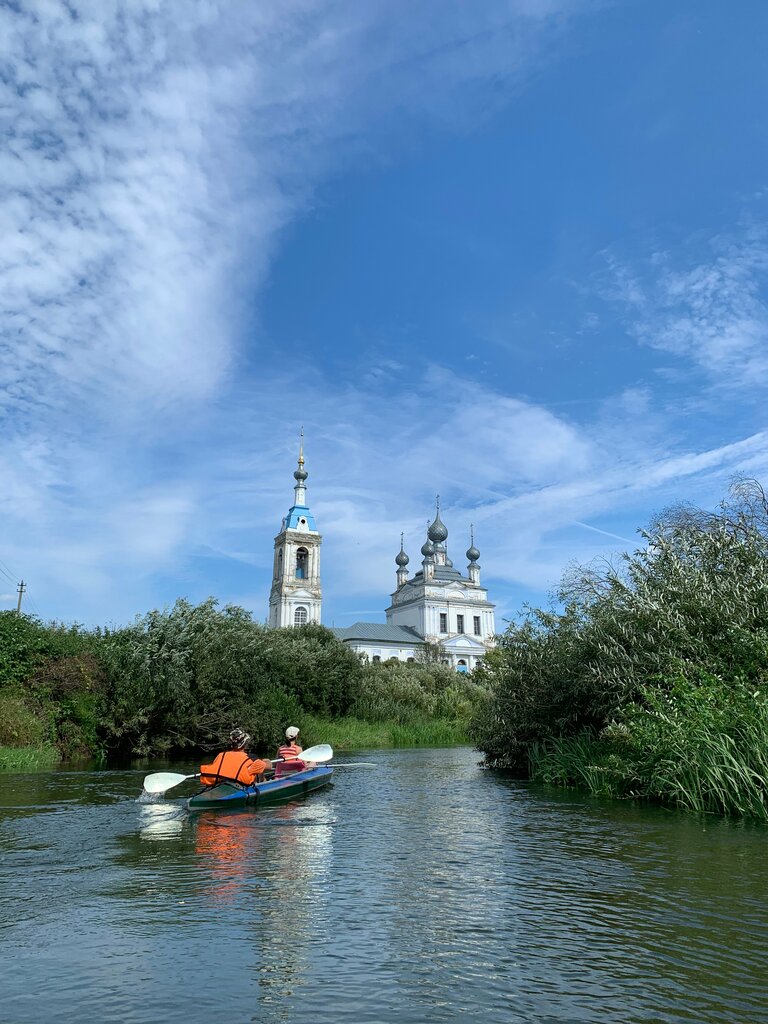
x: 22, y: 588
x: 10, y: 570
x: 8, y: 576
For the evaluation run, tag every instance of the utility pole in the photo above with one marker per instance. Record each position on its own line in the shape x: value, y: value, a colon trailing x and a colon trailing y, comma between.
x: 21, y: 588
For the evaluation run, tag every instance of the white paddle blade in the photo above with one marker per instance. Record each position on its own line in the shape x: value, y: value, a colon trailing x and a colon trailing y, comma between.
x: 322, y: 752
x: 160, y: 781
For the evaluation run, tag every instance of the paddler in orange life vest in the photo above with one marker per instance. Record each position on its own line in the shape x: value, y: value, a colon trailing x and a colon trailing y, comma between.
x: 234, y: 765
x: 290, y: 752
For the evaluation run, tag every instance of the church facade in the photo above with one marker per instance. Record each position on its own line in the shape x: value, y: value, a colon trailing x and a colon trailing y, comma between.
x: 438, y: 609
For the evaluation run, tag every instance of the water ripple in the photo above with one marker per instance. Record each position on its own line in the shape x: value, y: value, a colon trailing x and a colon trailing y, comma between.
x: 426, y: 890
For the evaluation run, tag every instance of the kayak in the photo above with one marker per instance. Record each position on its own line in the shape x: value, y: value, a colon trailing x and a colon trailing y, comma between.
x: 274, y: 791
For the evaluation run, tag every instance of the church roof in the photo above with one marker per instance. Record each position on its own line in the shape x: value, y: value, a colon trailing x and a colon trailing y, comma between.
x: 442, y: 574
x: 300, y: 518
x: 379, y: 631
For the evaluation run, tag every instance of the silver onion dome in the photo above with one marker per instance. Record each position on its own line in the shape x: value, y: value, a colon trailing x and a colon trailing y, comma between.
x: 438, y: 532
x: 427, y: 548
x: 472, y: 553
x: 301, y: 473
x: 401, y: 558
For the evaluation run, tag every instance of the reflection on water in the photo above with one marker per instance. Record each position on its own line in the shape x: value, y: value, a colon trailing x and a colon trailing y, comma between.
x: 160, y: 821
x: 426, y: 890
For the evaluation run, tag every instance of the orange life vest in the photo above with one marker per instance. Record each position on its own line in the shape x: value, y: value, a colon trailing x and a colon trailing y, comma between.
x: 289, y: 751
x: 234, y: 765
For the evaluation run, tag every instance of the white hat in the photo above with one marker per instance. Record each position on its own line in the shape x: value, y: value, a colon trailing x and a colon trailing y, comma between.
x: 291, y: 732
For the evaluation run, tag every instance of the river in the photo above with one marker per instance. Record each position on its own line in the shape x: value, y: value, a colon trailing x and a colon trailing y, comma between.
x: 424, y: 889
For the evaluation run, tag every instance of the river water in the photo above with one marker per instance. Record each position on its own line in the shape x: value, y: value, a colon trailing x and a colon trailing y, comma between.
x: 422, y: 890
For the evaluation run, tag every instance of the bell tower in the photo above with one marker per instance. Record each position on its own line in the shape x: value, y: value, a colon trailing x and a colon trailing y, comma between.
x: 296, y: 595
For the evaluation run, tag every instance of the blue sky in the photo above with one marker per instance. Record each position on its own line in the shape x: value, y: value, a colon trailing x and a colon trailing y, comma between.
x: 513, y: 253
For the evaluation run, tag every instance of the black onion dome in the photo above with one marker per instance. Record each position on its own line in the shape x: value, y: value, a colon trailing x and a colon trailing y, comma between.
x: 472, y: 553
x: 438, y: 532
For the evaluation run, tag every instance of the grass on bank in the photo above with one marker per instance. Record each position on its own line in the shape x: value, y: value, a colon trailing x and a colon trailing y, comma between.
x: 344, y: 735
x: 26, y: 759
x: 701, y: 746
x: 354, y: 734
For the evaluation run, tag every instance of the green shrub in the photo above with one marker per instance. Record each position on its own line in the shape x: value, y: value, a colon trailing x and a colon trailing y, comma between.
x: 178, y: 680
x: 26, y: 643
x: 647, y: 667
x: 20, y: 726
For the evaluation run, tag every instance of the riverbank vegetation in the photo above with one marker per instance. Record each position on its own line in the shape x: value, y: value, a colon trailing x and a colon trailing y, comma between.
x: 176, y: 681
x: 651, y: 678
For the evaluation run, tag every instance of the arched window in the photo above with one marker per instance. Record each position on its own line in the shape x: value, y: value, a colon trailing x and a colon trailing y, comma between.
x: 300, y: 616
x: 411, y: 661
x: 302, y: 559
x: 376, y: 657
x: 462, y: 665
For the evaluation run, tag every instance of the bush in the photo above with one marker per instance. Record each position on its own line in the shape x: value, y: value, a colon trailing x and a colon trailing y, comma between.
x: 180, y: 679
x: 26, y: 643
x: 681, y: 624
x: 411, y: 694
x: 20, y: 726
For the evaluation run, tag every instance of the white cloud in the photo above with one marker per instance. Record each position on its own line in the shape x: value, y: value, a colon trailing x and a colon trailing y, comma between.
x: 155, y: 151
x: 152, y: 155
x: 711, y: 311
x: 529, y: 480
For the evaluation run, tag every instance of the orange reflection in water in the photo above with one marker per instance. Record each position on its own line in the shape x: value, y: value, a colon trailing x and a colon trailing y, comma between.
x: 230, y: 844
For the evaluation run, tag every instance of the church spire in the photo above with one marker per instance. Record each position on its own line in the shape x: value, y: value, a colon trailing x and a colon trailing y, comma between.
x: 300, y: 475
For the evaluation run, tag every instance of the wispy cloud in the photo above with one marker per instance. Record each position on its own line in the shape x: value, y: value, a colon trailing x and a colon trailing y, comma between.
x: 709, y: 310
x: 152, y: 156
x: 528, y: 479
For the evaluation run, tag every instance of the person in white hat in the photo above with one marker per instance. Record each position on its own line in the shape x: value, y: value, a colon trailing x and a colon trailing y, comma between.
x: 290, y: 752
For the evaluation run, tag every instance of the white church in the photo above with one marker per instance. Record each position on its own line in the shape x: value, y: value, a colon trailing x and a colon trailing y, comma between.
x: 437, y: 605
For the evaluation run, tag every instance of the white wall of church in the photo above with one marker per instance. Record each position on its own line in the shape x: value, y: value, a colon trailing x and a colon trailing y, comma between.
x: 424, y: 616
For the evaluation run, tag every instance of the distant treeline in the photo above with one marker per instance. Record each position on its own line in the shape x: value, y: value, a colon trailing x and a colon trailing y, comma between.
x: 176, y: 681
x: 650, y: 678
